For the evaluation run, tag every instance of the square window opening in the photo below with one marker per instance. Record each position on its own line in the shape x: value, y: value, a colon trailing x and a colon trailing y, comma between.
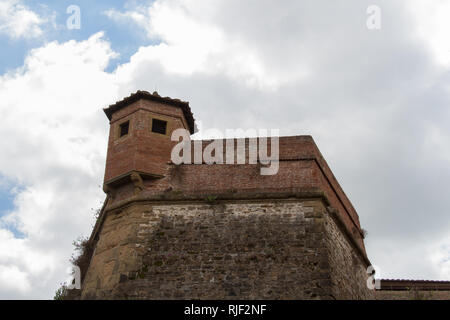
x: 159, y: 126
x: 123, y: 129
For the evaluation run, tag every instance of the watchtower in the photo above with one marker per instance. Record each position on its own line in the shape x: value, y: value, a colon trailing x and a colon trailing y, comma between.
x: 139, y: 138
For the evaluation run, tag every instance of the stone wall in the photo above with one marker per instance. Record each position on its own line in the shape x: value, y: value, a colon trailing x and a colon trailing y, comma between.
x: 272, y: 249
x: 348, y: 269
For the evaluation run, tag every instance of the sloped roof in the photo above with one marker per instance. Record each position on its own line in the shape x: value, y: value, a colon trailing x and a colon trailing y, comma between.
x: 184, y: 105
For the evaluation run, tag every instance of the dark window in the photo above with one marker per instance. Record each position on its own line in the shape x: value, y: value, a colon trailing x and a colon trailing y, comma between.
x: 159, y: 126
x: 123, y: 129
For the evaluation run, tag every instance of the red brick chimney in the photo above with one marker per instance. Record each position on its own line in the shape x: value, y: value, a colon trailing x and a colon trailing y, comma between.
x: 141, y: 126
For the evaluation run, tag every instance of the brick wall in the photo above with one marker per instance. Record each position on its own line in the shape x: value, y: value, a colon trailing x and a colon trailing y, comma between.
x: 412, y: 295
x: 141, y: 149
x: 298, y: 171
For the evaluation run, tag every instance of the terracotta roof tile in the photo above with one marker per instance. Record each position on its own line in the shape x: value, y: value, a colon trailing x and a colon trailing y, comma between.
x: 407, y: 284
x: 184, y: 105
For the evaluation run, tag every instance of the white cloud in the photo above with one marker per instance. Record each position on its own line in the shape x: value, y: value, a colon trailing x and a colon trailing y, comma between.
x: 190, y: 43
x: 137, y: 16
x: 432, y: 26
x: 18, y: 21
x: 440, y: 255
x: 55, y: 148
x: 22, y: 267
x: 375, y: 103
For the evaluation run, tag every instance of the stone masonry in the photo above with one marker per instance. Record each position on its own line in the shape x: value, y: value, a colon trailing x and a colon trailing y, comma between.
x: 271, y: 249
x: 218, y: 231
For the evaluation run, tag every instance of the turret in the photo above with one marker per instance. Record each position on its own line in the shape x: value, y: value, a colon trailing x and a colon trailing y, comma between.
x: 141, y: 126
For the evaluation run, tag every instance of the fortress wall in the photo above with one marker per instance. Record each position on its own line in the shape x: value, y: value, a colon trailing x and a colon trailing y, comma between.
x: 347, y: 268
x: 272, y: 249
x: 412, y: 295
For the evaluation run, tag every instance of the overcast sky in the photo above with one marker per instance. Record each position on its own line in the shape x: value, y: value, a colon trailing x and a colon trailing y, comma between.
x: 374, y: 94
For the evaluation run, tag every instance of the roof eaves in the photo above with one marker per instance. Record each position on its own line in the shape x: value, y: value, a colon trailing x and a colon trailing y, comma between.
x: 184, y: 105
